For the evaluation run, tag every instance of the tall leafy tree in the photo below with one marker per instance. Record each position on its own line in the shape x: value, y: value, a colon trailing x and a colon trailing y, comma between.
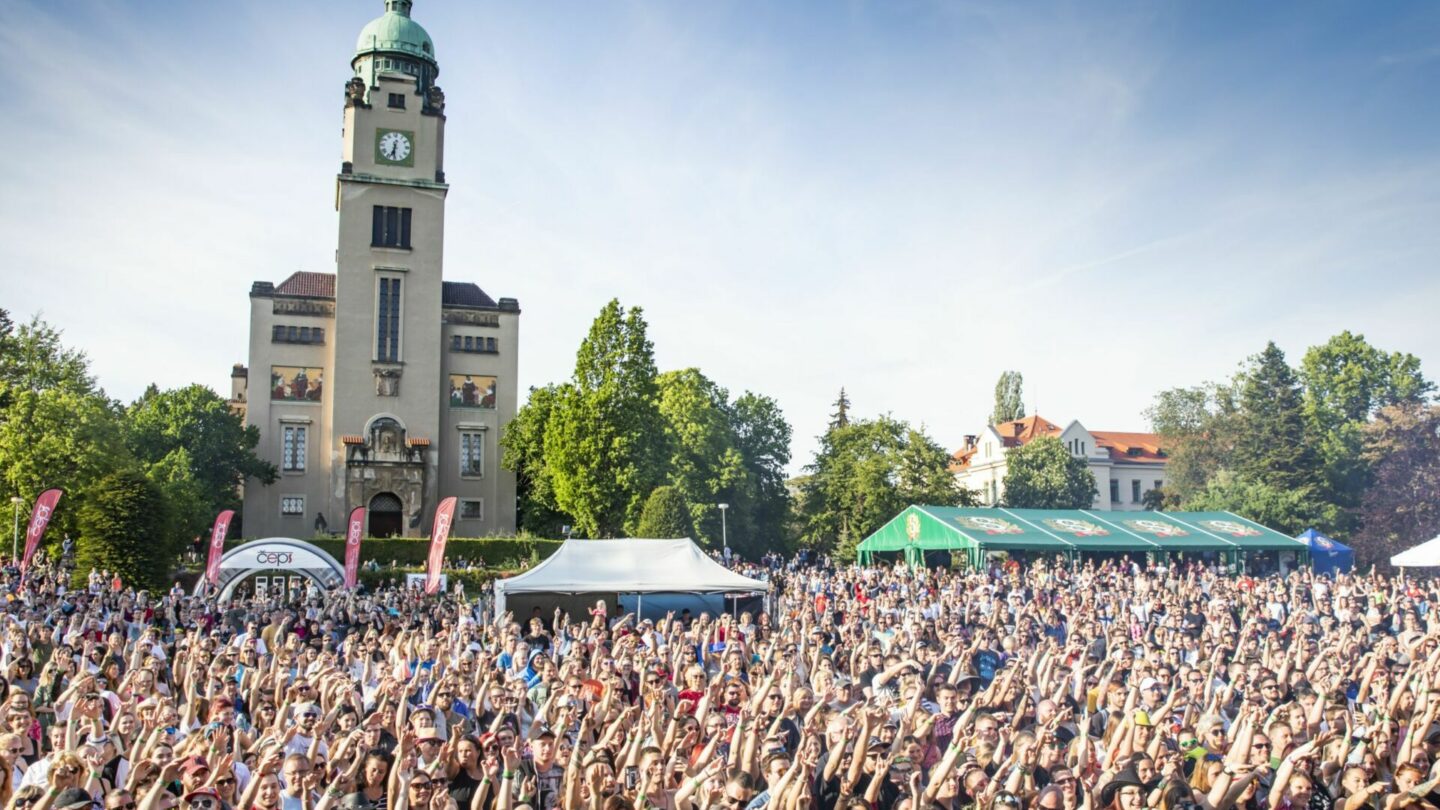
x: 122, y: 529
x: 1346, y: 381
x: 523, y: 445
x: 1042, y: 474
x: 1402, y: 508
x: 605, y: 444
x: 218, y: 448
x: 1009, y: 398
x: 58, y: 437
x: 763, y: 438
x: 35, y: 358
x: 1198, y: 428
x: 705, y: 466
x: 864, y: 473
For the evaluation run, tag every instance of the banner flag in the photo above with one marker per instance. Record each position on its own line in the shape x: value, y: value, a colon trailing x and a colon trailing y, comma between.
x: 353, y: 532
x: 39, y: 519
x: 444, y: 514
x: 217, y: 546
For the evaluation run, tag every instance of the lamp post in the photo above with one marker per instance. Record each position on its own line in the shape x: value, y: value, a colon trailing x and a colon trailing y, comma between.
x: 15, y: 501
x: 724, y: 537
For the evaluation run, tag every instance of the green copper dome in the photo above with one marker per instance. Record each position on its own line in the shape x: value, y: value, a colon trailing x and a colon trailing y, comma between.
x: 395, y: 33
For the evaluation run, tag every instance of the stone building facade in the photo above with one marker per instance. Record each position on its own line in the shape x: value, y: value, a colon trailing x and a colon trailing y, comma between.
x: 382, y: 385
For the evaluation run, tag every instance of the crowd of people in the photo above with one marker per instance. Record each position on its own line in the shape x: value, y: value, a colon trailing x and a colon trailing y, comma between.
x: 1109, y: 685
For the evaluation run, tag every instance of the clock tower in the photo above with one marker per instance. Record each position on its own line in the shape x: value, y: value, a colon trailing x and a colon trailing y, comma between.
x: 383, y: 386
x: 390, y: 195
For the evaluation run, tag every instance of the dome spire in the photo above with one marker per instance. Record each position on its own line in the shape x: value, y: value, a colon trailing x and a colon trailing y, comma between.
x: 401, y: 7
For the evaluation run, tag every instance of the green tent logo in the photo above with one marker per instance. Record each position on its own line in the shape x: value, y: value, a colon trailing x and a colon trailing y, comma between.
x: 989, y: 525
x: 1159, y: 528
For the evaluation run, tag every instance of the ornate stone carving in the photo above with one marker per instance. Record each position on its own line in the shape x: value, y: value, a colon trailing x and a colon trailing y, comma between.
x: 301, y: 306
x: 386, y: 463
x: 355, y: 92
x: 470, y: 318
x: 435, y: 99
x: 387, y: 382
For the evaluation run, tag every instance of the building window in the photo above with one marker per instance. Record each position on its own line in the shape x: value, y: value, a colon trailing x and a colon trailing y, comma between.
x: 1114, y: 490
x: 387, y: 321
x: 472, y: 454
x: 1135, y: 491
x: 469, y: 343
x: 292, y: 506
x: 292, y: 449
x: 390, y: 227
x: 472, y: 509
x: 489, y: 344
x: 279, y: 333
x: 397, y: 101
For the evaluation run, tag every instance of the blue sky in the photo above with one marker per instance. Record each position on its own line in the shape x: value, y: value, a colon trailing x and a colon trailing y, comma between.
x: 903, y: 198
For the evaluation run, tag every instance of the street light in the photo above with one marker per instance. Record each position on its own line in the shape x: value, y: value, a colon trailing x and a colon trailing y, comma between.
x: 724, y: 538
x: 15, y: 501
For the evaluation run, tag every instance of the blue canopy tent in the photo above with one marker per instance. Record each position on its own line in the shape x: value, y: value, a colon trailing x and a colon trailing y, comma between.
x: 1327, y: 556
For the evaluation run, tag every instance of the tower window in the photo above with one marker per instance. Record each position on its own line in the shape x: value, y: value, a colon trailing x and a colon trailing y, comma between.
x: 472, y: 454
x: 397, y: 101
x: 387, y: 321
x: 292, y: 449
x: 390, y: 227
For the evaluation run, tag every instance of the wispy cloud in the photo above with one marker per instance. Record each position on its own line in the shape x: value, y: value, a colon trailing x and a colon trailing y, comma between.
x: 901, y: 198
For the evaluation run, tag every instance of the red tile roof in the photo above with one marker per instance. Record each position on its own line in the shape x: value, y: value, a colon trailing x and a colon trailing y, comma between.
x: 308, y: 285
x: 352, y: 439
x: 1013, y: 434
x: 418, y: 442
x: 1133, y: 448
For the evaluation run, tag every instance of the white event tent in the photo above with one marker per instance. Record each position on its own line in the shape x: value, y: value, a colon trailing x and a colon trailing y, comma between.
x: 626, y: 566
x: 1425, y: 555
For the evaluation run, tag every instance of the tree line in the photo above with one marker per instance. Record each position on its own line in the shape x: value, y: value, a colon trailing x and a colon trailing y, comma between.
x: 1345, y: 443
x: 141, y: 480
x: 623, y: 450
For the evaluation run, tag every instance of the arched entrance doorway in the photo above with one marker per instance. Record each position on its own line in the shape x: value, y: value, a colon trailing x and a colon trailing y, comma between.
x: 387, y: 515
x: 283, y: 563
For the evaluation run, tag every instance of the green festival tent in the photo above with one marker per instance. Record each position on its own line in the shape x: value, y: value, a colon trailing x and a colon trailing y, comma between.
x: 975, y: 531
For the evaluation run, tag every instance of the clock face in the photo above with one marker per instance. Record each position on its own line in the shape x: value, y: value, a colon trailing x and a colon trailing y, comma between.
x: 394, y: 146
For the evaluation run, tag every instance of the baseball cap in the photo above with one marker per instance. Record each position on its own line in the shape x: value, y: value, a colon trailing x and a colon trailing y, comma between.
x: 1148, y: 683
x: 73, y: 798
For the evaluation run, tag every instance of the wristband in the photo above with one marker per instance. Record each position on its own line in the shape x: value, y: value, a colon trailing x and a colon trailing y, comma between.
x: 507, y: 774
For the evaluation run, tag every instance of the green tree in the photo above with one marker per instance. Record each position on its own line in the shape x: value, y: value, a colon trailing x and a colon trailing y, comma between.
x: 666, y: 515
x: 35, y: 359
x: 57, y: 437
x: 1272, y: 445
x: 1198, y: 428
x: 523, y: 446
x: 763, y: 438
x: 1402, y: 508
x: 219, y: 450
x: 704, y: 466
x: 1346, y: 380
x: 122, y: 523
x: 1009, y: 398
x: 605, y: 444
x: 841, y: 416
x: 863, y: 474
x: 1042, y: 474
x: 1289, y: 511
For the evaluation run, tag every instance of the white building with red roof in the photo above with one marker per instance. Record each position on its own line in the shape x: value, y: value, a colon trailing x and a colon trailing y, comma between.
x: 1126, y: 465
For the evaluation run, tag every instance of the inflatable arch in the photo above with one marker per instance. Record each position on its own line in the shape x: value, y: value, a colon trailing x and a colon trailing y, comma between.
x: 276, y: 554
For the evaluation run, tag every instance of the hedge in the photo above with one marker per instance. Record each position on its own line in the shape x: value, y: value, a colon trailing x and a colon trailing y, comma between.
x: 498, y: 552
x: 474, y: 578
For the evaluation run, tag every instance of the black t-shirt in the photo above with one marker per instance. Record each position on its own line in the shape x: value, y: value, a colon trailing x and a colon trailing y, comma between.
x: 463, y: 787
